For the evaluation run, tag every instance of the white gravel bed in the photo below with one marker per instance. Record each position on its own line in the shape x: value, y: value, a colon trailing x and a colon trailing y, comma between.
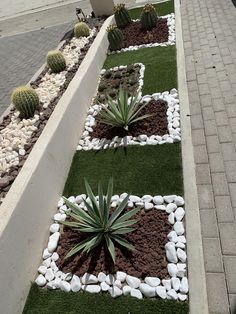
x: 173, y: 118
x: 174, y: 287
x: 18, y: 132
x: 171, y: 38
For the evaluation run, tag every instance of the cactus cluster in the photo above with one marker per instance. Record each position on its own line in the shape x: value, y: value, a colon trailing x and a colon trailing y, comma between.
x: 26, y: 101
x: 148, y: 17
x: 122, y: 16
x: 56, y: 61
x: 81, y: 29
x: 115, y: 37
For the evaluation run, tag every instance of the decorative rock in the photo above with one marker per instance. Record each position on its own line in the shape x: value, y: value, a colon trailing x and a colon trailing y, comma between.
x: 104, y: 286
x: 179, y: 228
x: 67, y: 276
x: 118, y: 284
x: 136, y: 293
x: 184, y: 285
x: 120, y: 275
x: 160, y: 207
x: 110, y: 279
x: 148, y: 206
x: 175, y: 283
x: 171, y: 218
x: 182, y: 297
x: 55, y: 256
x: 54, y: 228
x: 147, y: 290
x: 181, y: 255
x: 51, y: 286
x: 47, y: 262
x: 172, y: 236
x: 170, y: 208
x: 172, y: 269
x: 65, y: 286
x: 60, y: 217
x: 152, y: 281
x: 132, y: 281
x: 49, y: 274
x: 169, y: 198
x: 41, y: 281
x: 126, y: 290
x: 75, y: 284
x: 147, y: 198
x: 46, y: 254
x: 115, y: 292
x: 158, y: 200
x: 181, y: 270
x: 161, y: 292
x: 166, y: 283
x: 134, y: 199
x: 89, y: 279
x: 171, y: 252
x: 42, y: 270
x: 179, y: 213
x: 101, y: 277
x: 92, y: 288
x: 53, y: 241
x: 182, y: 239
x: 172, y: 294
x: 179, y: 201
x: 180, y: 245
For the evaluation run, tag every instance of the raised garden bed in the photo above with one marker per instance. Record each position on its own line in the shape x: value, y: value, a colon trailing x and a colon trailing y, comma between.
x: 17, y: 135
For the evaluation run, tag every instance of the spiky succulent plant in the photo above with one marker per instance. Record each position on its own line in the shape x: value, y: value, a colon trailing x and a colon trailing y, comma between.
x: 122, y: 16
x: 148, y: 17
x: 26, y: 101
x: 56, y: 61
x: 81, y: 29
x: 122, y: 112
x: 100, y: 222
x: 115, y: 37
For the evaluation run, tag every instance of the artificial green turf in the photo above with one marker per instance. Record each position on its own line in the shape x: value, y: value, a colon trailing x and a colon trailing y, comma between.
x: 42, y: 301
x: 160, y: 67
x: 137, y: 169
x: 162, y: 9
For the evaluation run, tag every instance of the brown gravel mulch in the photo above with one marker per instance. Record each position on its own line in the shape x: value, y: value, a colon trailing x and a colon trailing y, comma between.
x: 134, y: 36
x: 156, y: 124
x: 149, y: 258
x: 7, y: 178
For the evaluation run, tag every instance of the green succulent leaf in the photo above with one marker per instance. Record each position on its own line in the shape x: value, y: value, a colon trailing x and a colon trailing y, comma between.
x: 111, y: 247
x: 123, y: 242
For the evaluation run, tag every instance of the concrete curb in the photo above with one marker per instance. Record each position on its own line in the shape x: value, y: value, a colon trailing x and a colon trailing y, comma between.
x: 196, y: 269
x: 29, y: 205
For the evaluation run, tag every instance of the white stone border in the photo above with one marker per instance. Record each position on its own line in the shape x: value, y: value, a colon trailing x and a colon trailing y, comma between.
x: 170, y: 42
x: 175, y: 287
x: 173, y: 117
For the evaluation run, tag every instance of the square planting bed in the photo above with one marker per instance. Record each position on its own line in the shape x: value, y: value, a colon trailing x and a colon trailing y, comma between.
x: 161, y: 35
x: 157, y: 267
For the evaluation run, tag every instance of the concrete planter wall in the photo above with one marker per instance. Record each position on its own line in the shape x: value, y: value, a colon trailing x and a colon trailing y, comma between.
x: 30, y: 203
x: 102, y: 7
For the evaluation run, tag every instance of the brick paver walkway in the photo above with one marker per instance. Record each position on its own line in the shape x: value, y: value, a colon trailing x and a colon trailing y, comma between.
x: 209, y: 28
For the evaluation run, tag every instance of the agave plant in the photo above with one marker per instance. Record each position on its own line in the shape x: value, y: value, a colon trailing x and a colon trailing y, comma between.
x: 122, y: 112
x: 99, y: 222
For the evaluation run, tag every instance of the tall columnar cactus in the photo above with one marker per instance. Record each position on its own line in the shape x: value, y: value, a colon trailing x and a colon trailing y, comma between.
x: 26, y: 101
x: 148, y: 17
x: 122, y: 16
x: 81, y: 29
x: 115, y: 37
x: 56, y: 61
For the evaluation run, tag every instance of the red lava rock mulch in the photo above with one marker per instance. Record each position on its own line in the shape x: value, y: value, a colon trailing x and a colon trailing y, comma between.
x: 134, y: 36
x: 156, y: 124
x: 149, y: 258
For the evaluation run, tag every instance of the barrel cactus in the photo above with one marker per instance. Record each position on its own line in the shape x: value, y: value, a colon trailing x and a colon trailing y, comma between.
x: 148, y: 17
x: 26, y: 101
x: 122, y: 16
x: 56, y: 61
x: 81, y: 29
x: 115, y: 37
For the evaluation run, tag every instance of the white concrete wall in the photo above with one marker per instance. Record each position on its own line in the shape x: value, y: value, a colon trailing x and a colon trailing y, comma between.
x: 26, y: 212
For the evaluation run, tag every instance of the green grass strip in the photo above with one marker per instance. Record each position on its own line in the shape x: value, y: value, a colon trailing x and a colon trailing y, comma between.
x: 160, y: 67
x: 162, y: 9
x: 41, y: 301
x: 138, y: 170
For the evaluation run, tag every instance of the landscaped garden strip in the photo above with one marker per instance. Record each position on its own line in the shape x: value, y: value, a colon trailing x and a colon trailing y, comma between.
x: 18, y: 136
x: 134, y: 272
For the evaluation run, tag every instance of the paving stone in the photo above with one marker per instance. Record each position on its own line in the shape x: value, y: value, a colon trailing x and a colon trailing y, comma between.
x: 228, y: 151
x: 200, y: 154
x: 208, y: 113
x: 216, y: 162
x: 210, y: 127
x: 198, y: 137
x: 230, y: 167
x: 205, y: 196
x: 220, y: 185
x: 232, y: 302
x: 218, y: 104
x: 224, y: 209
x: 203, y: 174
x: 212, y: 255
x: 209, y: 223
x: 221, y: 118
x: 230, y: 272
x: 217, y: 293
x: 228, y: 238
x: 224, y: 133
x: 213, y: 144
x: 197, y: 122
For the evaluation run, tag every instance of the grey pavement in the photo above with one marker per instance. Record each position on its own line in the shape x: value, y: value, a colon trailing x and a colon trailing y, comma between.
x: 209, y: 29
